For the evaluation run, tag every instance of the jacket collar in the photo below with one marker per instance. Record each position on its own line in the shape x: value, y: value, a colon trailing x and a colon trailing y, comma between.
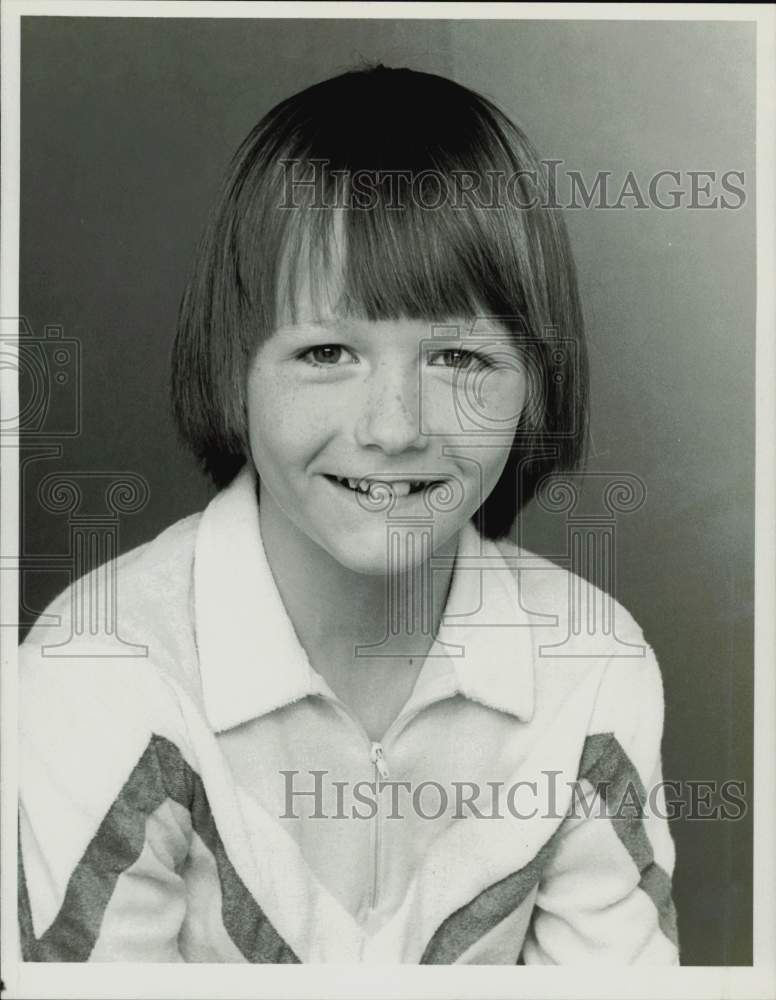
x: 251, y: 661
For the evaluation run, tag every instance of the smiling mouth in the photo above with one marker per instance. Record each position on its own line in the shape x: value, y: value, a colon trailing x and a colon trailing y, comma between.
x: 400, y: 487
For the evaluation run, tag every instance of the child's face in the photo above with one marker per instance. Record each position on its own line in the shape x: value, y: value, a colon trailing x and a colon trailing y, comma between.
x: 391, y: 401
x: 354, y: 425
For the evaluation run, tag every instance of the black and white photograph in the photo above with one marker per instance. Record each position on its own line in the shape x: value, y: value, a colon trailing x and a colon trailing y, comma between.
x: 387, y: 540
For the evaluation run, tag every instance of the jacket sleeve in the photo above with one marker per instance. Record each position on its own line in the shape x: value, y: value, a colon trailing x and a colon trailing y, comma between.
x: 605, y: 893
x: 103, y: 828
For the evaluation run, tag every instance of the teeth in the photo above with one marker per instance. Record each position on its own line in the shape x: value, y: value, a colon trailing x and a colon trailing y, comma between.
x: 400, y: 487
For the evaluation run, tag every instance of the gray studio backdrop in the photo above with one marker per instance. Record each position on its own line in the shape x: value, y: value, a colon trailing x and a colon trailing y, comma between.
x: 127, y: 127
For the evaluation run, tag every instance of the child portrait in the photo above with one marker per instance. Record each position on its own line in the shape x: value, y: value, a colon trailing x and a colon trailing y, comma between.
x: 386, y: 567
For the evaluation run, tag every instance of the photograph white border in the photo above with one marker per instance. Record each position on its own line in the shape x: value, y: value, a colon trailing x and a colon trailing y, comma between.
x: 122, y: 980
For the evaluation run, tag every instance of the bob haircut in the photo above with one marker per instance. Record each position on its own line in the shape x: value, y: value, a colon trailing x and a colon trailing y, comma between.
x: 444, y: 211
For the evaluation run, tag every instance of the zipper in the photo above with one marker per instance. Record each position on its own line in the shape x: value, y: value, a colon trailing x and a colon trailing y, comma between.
x: 379, y: 772
x: 377, y: 757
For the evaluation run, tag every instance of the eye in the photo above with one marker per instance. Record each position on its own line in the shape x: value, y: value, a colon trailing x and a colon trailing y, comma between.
x: 326, y: 356
x: 458, y: 359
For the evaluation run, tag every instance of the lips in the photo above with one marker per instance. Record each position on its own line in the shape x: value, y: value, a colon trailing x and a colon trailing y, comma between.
x: 400, y: 487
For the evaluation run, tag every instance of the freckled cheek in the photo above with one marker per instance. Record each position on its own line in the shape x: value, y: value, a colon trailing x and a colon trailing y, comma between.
x: 491, y: 403
x: 287, y: 421
x: 439, y: 407
x: 504, y: 398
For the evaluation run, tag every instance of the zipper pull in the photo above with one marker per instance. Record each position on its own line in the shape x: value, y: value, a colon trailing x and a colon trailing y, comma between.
x: 377, y: 756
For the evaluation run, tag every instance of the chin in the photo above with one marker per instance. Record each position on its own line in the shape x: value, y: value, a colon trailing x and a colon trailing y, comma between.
x: 366, y: 552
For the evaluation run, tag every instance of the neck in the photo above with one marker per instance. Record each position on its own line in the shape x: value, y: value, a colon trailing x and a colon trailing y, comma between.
x: 335, y: 610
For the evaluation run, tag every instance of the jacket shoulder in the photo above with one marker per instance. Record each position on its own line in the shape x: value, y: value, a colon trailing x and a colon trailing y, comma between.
x: 549, y: 589
x: 132, y: 611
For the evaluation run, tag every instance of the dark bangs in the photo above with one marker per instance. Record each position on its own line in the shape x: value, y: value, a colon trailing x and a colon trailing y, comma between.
x: 384, y: 264
x: 393, y: 194
x: 407, y: 174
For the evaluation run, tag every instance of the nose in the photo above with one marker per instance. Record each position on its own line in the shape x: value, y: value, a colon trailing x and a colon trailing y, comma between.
x: 390, y: 417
